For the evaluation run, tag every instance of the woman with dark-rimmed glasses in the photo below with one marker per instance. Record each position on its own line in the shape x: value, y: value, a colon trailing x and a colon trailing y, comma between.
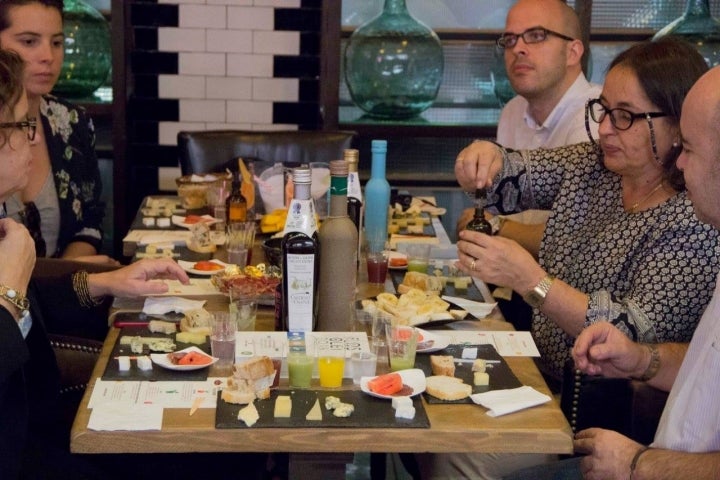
x: 622, y: 233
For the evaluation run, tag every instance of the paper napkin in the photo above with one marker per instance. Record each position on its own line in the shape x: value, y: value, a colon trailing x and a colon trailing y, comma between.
x: 502, y: 402
x: 477, y: 309
x: 163, y: 305
x: 118, y: 416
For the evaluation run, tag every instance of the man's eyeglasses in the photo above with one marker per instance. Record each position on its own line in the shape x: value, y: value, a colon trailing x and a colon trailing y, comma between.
x: 30, y: 124
x: 619, y: 117
x: 529, y: 36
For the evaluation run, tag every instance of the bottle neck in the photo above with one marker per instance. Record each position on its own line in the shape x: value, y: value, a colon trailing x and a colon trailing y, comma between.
x: 697, y: 8
x: 338, y: 196
x: 302, y: 191
x: 378, y: 165
x: 395, y: 7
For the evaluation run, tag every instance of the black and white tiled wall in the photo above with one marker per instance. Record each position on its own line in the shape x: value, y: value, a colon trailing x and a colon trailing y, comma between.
x: 214, y: 64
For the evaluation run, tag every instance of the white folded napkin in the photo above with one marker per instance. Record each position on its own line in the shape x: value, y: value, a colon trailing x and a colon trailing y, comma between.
x: 118, y: 416
x: 502, y: 402
x: 477, y: 309
x: 163, y: 305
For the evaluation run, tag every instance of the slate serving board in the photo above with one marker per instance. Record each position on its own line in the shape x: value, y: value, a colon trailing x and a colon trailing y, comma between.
x: 471, y: 293
x: 501, y: 377
x: 370, y: 412
x: 157, y: 373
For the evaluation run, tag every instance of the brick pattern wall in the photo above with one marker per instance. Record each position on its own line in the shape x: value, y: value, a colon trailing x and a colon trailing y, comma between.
x: 213, y: 64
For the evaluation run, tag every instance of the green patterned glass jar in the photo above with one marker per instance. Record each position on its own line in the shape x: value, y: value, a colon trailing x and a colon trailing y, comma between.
x: 393, y: 64
x: 88, y: 55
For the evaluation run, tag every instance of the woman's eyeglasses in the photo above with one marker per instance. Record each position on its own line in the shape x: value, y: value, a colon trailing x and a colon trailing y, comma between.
x: 529, y: 36
x: 29, y: 125
x: 619, y: 117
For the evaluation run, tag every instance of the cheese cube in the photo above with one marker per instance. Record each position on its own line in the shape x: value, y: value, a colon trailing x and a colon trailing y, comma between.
x: 283, y: 406
x: 124, y: 363
x: 144, y: 363
x: 398, y: 402
x: 190, y: 337
x: 481, y: 378
x: 469, y: 352
x: 405, y: 412
x: 479, y: 365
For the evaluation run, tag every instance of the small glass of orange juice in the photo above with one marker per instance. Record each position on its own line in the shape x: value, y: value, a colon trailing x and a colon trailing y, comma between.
x: 331, y: 366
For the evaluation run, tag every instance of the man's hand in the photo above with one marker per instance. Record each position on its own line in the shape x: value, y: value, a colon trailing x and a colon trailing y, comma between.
x: 609, y: 454
x: 137, y: 279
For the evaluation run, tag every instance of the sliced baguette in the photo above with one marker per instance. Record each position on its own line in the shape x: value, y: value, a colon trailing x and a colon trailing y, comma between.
x: 447, y: 388
x: 442, y: 365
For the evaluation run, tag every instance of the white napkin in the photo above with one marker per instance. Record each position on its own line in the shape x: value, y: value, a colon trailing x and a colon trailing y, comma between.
x: 501, y: 402
x: 119, y: 416
x: 477, y: 309
x: 163, y: 305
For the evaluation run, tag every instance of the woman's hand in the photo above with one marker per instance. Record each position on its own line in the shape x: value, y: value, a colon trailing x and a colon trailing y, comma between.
x: 498, y: 260
x: 137, y: 279
x: 18, y: 249
x: 99, y: 259
x: 477, y: 164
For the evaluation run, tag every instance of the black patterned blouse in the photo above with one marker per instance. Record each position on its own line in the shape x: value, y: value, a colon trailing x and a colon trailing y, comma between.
x: 650, y: 273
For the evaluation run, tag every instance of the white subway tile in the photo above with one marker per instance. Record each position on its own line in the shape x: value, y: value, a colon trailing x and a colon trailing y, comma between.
x: 250, y: 65
x: 202, y: 110
x: 167, y: 131
x: 202, y: 16
x: 166, y: 178
x: 252, y: 112
x: 278, y: 3
x: 230, y: 2
x: 275, y: 89
x: 201, y: 63
x: 181, y: 39
x: 229, y: 126
x: 278, y: 43
x: 201, y: 2
x: 236, y: 41
x: 181, y: 86
x: 251, y: 18
x: 229, y: 88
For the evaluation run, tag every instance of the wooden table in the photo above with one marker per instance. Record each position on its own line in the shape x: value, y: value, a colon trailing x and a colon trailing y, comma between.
x: 454, y: 428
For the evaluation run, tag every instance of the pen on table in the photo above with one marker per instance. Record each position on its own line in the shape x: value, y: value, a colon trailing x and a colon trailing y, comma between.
x: 196, y: 404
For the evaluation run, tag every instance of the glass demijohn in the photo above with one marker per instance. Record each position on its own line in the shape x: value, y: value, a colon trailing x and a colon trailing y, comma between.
x: 698, y: 27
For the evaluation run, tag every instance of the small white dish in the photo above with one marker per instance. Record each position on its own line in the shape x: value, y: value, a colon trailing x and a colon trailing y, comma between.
x: 413, y: 378
x: 180, y: 220
x: 189, y: 267
x: 396, y: 255
x: 438, y: 341
x: 163, y: 360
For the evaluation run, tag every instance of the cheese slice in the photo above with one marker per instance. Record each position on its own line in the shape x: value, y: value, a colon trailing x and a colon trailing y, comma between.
x: 315, y: 413
x: 283, y: 406
x: 249, y: 414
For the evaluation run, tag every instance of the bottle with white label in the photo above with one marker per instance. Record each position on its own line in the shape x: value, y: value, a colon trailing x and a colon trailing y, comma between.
x: 300, y: 258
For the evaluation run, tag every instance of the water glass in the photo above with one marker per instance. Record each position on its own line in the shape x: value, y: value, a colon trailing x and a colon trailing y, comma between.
x: 243, y: 309
x: 361, y: 320
x: 239, y: 241
x: 363, y: 364
x: 402, y: 344
x: 222, y: 338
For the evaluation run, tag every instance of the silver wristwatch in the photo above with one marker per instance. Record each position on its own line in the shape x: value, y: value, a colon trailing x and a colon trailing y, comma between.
x: 536, y: 297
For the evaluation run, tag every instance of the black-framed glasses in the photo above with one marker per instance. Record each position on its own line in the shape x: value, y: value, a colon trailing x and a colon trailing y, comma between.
x: 29, y: 125
x: 620, y: 118
x: 529, y: 36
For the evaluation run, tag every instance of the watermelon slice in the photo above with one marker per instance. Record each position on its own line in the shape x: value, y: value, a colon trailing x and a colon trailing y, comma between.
x: 386, y: 384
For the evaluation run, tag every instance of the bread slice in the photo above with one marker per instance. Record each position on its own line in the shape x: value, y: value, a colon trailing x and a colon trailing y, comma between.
x: 237, y: 397
x: 442, y: 365
x: 447, y: 388
x: 254, y: 368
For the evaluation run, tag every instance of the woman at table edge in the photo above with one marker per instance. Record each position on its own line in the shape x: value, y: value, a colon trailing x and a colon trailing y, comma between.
x: 28, y: 370
x: 61, y: 203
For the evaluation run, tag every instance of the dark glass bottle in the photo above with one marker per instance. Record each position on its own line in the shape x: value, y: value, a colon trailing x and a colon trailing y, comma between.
x: 300, y: 258
x: 354, y: 191
x: 478, y: 223
x: 236, y: 205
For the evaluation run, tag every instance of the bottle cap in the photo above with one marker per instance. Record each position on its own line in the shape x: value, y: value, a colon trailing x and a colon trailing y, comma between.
x: 352, y: 156
x: 338, y: 168
x: 378, y: 146
x: 302, y: 175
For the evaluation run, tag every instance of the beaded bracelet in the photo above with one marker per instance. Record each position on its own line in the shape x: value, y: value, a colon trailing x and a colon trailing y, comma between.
x: 636, y: 458
x: 17, y: 299
x: 80, y: 285
x: 654, y: 364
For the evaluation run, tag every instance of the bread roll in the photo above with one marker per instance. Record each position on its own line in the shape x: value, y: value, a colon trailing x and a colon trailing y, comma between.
x: 196, y: 321
x: 447, y: 388
x: 442, y: 365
